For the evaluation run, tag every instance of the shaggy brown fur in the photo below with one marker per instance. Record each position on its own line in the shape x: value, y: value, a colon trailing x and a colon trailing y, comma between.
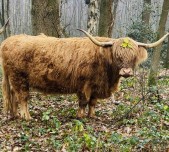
x: 63, y: 65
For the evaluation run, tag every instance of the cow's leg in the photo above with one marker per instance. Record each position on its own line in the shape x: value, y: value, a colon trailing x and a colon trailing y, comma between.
x: 24, y: 110
x: 84, y: 98
x: 82, y: 105
x: 22, y: 97
x: 20, y: 86
x: 92, y: 104
x: 14, y: 104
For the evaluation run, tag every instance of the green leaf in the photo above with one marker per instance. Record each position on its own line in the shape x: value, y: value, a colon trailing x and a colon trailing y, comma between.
x: 126, y: 40
x: 45, y: 117
x: 126, y: 43
x: 165, y: 107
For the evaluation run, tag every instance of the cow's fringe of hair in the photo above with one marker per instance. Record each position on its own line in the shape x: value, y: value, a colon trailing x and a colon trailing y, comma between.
x: 7, y: 103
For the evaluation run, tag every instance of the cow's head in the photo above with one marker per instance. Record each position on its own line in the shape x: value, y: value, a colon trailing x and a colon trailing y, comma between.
x: 126, y: 52
x: 127, y: 55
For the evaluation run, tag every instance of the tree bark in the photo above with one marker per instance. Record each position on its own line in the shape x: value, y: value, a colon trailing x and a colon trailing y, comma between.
x: 4, y: 16
x: 46, y: 17
x: 156, y: 55
x: 93, y: 17
x: 167, y: 56
x: 146, y: 11
x: 146, y: 14
x: 107, y: 17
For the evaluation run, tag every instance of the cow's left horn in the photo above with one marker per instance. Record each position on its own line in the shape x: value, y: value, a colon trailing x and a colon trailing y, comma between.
x: 3, y: 28
x: 103, y: 44
x: 150, y: 45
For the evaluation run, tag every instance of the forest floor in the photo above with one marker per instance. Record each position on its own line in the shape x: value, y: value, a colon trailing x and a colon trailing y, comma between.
x: 117, y: 127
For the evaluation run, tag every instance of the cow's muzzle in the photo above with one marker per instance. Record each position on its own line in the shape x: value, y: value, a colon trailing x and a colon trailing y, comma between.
x: 126, y: 72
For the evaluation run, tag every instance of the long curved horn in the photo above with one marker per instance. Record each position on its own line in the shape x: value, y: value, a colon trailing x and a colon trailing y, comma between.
x: 150, y: 45
x: 3, y: 28
x: 103, y: 44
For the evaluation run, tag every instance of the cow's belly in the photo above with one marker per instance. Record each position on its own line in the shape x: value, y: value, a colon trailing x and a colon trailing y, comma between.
x: 51, y: 87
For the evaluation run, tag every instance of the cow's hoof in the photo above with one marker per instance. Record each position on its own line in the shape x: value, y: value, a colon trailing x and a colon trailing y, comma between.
x: 80, y: 116
x: 91, y: 116
x: 81, y: 113
x: 26, y: 116
x: 12, y: 117
x: 15, y: 116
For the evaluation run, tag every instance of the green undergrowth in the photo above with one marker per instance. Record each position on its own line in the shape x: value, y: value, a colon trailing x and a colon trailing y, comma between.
x: 140, y: 122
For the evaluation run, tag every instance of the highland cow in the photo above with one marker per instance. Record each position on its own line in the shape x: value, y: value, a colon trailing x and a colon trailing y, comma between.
x: 91, y: 67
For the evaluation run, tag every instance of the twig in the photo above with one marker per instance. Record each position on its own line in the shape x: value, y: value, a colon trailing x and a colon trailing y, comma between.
x: 127, y: 113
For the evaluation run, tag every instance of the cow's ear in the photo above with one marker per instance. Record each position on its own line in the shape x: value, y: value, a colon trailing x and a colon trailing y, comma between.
x: 142, y: 55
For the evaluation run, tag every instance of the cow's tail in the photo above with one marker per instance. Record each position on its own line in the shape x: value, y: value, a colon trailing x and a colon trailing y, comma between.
x: 6, y: 91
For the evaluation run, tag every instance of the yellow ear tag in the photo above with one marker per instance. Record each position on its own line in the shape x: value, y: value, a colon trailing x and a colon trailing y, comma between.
x: 126, y: 43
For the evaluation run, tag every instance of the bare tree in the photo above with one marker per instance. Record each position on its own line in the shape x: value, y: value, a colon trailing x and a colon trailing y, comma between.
x: 107, y: 17
x: 46, y: 17
x: 93, y: 17
x: 167, y: 56
x: 146, y: 11
x: 146, y: 14
x: 4, y: 14
x: 156, y: 54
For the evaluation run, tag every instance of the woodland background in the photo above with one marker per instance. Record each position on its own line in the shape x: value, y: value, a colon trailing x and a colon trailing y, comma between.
x: 139, y: 121
x: 74, y: 15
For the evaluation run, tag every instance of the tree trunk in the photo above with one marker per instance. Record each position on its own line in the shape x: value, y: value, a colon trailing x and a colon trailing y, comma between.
x: 146, y: 11
x: 156, y: 55
x: 46, y: 17
x: 106, y: 23
x: 4, y: 16
x: 107, y: 17
x: 93, y: 17
x: 167, y: 56
x: 146, y: 14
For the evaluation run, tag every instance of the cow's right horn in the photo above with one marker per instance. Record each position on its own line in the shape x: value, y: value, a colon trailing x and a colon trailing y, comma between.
x: 3, y: 28
x: 150, y: 45
x: 103, y: 44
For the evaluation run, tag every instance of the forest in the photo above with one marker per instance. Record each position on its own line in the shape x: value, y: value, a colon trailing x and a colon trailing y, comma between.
x: 133, y: 117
